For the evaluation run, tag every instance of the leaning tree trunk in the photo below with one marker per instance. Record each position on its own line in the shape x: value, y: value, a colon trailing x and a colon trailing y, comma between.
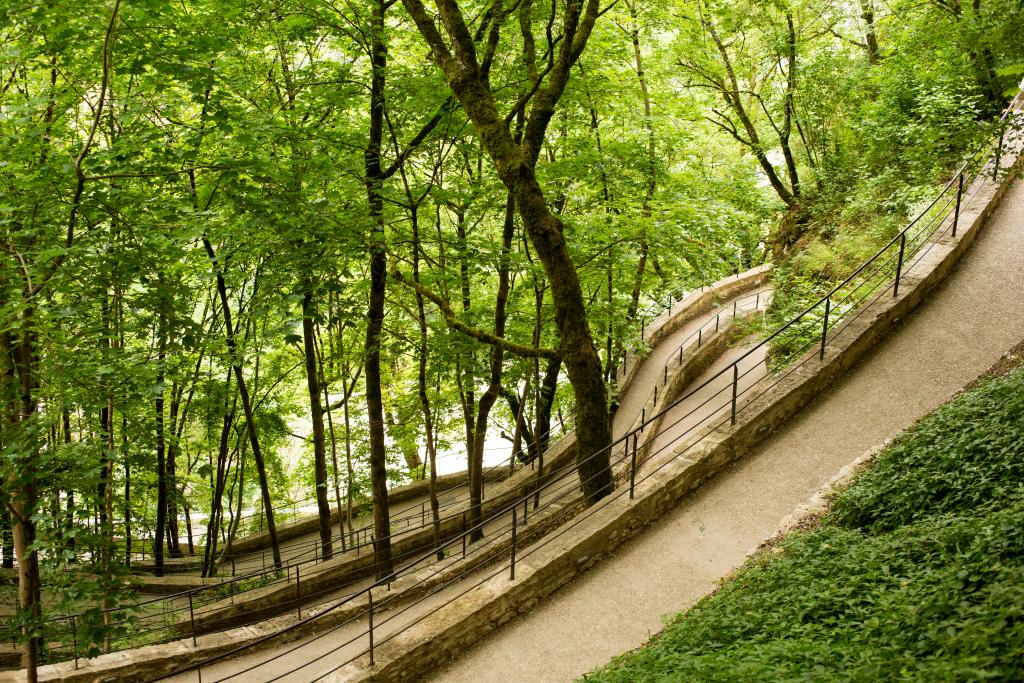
x: 243, y: 397
x: 516, y: 166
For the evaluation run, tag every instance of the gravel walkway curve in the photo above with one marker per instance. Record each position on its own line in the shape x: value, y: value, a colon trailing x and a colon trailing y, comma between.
x: 964, y: 327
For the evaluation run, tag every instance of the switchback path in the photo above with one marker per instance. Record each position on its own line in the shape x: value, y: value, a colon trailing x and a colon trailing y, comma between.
x: 315, y: 656
x: 954, y: 336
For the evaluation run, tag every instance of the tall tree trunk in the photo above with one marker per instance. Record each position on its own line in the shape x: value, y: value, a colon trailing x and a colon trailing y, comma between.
x: 18, y: 363
x: 161, y: 442
x: 378, y: 282
x: 651, y: 170
x: 867, y: 14
x: 316, y: 415
x: 490, y: 395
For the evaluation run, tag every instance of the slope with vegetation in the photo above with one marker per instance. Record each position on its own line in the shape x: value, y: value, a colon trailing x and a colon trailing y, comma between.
x: 915, y: 573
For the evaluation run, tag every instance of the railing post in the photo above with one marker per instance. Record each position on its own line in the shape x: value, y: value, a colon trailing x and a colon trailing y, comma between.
x: 74, y: 639
x: 526, y: 501
x: 899, y: 265
x: 717, y: 316
x: 423, y: 513
x: 700, y: 334
x: 643, y: 417
x: 192, y: 618
x: 512, y: 575
x: 735, y: 382
x: 680, y: 355
x: 463, y: 534
x: 665, y: 373
x: 632, y: 469
x: 999, y: 153
x: 959, y: 195
x: 824, y: 327
x: 298, y: 593
x: 369, y: 594
x: 655, y: 394
x: 757, y: 301
x: 735, y: 303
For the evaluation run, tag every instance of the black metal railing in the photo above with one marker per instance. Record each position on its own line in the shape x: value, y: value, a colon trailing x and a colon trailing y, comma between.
x: 555, y: 498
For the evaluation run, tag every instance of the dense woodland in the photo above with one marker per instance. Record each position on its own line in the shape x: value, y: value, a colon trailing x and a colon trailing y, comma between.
x: 257, y: 252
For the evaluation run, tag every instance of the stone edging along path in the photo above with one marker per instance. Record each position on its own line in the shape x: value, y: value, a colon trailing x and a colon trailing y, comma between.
x: 462, y: 622
x: 272, y: 600
x: 153, y: 660
x: 694, y: 305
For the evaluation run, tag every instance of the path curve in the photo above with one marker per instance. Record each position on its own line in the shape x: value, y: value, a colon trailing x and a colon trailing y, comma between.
x: 954, y: 336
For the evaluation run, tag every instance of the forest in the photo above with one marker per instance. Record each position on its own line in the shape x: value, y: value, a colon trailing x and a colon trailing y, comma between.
x: 268, y: 259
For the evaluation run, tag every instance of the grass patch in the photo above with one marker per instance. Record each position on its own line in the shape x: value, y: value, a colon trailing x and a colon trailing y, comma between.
x: 917, y: 572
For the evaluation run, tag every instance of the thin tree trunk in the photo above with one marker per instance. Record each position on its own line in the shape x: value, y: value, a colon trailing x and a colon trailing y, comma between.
x: 243, y: 396
x: 421, y: 377
x: 161, y: 463
x: 316, y: 415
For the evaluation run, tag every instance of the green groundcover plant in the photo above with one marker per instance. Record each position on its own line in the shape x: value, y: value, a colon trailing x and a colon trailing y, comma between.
x: 916, y: 573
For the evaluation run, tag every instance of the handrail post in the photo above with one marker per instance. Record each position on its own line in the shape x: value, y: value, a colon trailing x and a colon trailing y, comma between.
x: 74, y: 639
x: 735, y: 382
x: 899, y: 265
x: 298, y: 593
x: 700, y: 334
x: 515, y: 522
x: 999, y: 153
x: 824, y: 327
x: 369, y: 594
x: 717, y: 316
x: 655, y: 394
x: 526, y: 502
x: 463, y: 534
x: 632, y: 469
x: 191, y: 617
x: 959, y: 195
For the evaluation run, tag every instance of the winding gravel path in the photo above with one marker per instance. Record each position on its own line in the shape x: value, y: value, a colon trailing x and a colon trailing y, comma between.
x: 963, y: 328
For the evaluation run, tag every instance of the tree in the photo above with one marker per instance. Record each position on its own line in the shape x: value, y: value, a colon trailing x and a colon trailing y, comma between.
x: 468, y: 77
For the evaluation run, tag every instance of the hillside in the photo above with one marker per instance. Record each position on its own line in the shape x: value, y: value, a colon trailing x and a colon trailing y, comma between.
x: 915, y: 573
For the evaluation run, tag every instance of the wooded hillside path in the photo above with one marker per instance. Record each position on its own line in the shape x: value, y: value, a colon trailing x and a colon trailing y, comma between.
x: 960, y: 331
x: 318, y: 655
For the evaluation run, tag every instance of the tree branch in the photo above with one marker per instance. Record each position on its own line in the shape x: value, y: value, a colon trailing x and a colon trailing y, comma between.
x: 480, y: 335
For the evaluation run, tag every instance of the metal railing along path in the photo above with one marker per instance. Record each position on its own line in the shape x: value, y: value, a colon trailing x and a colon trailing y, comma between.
x: 804, y: 339
x: 62, y: 631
